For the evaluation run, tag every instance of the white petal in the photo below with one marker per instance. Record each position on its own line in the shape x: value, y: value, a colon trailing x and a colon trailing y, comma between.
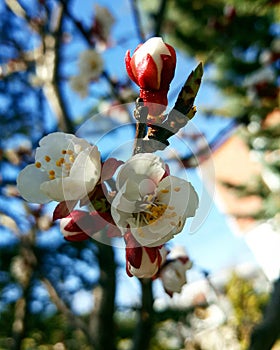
x: 121, y: 203
x: 141, y: 166
x: 65, y: 189
x: 29, y: 181
x: 181, y: 196
x: 87, y: 166
x: 173, y: 276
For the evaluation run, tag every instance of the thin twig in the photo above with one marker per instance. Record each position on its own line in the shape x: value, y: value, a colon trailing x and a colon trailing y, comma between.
x: 140, y: 114
x: 137, y: 20
x: 160, y: 17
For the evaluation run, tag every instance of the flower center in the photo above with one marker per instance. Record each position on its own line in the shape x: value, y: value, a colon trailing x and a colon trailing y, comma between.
x: 59, y: 165
x: 150, y: 210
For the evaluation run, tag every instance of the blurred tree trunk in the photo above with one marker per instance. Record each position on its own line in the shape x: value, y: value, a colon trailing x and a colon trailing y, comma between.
x: 268, y: 331
x: 24, y: 274
x: 144, y: 326
x: 102, y: 323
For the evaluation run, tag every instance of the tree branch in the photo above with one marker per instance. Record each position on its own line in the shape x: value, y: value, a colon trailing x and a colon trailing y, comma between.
x: 144, y: 327
x: 102, y: 319
x: 74, y: 320
x: 160, y: 17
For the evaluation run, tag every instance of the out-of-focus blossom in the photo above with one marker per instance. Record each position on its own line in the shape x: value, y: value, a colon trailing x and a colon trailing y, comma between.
x: 265, y: 74
x: 79, y: 84
x: 152, y: 68
x: 66, y: 168
x: 142, y: 262
x: 90, y: 64
x: 154, y: 206
x: 173, y: 272
x: 102, y: 25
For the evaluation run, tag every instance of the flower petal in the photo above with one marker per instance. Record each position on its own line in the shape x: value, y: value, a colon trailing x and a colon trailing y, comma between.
x: 29, y: 181
x: 141, y: 166
x: 66, y: 189
x: 87, y: 166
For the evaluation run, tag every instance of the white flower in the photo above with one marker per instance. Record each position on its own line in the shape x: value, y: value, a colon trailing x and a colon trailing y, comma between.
x: 90, y: 64
x: 66, y: 168
x: 153, y: 206
x: 173, y: 273
x: 79, y: 84
x: 103, y: 23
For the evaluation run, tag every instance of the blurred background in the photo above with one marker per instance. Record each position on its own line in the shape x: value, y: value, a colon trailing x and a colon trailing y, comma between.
x: 60, y: 295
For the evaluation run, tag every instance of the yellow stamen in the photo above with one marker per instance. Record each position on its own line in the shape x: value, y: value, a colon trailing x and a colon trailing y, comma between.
x: 164, y: 191
x: 177, y: 189
x: 155, y: 213
x: 51, y: 177
x: 38, y: 165
x: 47, y: 158
x: 51, y: 172
x: 70, y: 152
x: 72, y: 158
x: 63, y: 151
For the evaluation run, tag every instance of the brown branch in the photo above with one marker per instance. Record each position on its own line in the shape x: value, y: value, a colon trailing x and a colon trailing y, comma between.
x: 23, y: 276
x: 52, y: 62
x: 74, y: 320
x: 144, y: 327
x: 140, y: 114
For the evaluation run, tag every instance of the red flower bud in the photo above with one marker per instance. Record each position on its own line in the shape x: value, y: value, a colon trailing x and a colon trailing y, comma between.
x: 142, y: 262
x: 152, y: 68
x: 80, y: 225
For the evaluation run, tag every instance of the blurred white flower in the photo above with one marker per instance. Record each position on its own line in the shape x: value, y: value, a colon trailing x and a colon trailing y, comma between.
x: 173, y: 273
x: 264, y: 74
x: 154, y: 207
x: 66, y: 168
x: 90, y: 64
x: 103, y: 22
x: 79, y: 84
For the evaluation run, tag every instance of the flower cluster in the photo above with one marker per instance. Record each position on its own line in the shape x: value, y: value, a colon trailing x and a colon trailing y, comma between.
x: 146, y: 206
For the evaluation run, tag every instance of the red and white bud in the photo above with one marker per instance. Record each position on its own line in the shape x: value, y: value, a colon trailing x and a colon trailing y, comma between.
x: 80, y: 225
x: 173, y: 272
x: 152, y: 68
x: 143, y: 262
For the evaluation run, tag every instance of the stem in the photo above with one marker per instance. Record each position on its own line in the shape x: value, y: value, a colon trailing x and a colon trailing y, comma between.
x: 144, y: 328
x: 140, y: 114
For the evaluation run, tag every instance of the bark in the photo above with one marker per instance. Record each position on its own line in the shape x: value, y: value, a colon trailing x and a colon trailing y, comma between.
x: 268, y: 331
